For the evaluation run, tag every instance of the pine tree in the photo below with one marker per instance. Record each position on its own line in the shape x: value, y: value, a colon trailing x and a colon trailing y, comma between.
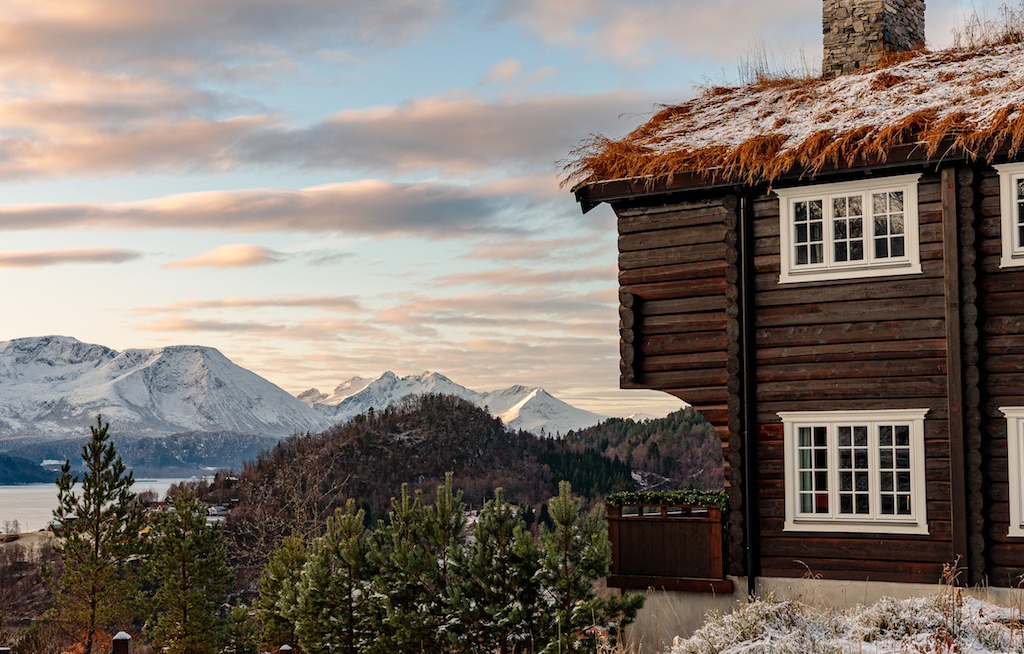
x: 497, y: 595
x: 188, y: 567
x: 412, y: 554
x: 96, y: 591
x: 575, y: 554
x: 242, y: 636
x: 278, y: 598
x: 333, y: 611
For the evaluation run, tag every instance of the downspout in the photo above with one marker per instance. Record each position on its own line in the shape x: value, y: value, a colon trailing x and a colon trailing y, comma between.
x: 748, y: 414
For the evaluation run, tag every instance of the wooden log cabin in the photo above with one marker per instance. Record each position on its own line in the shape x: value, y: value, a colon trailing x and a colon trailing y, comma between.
x: 832, y: 271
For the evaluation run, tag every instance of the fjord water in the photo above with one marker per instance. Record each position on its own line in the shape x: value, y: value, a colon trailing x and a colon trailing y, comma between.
x: 32, y: 505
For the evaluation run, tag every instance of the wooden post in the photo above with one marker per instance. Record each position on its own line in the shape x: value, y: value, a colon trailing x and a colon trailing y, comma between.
x: 122, y: 643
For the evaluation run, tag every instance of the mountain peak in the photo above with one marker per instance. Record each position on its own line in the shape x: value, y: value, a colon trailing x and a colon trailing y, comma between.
x: 520, y: 407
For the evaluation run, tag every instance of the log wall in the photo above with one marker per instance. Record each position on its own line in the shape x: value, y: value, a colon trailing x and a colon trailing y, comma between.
x: 1000, y: 326
x: 678, y: 320
x: 874, y: 343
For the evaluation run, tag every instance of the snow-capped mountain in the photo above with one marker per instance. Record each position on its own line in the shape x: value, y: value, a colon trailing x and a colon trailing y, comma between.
x: 519, y: 407
x: 54, y: 386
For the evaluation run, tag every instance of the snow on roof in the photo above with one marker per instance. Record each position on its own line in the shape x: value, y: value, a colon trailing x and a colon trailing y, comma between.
x: 949, y: 102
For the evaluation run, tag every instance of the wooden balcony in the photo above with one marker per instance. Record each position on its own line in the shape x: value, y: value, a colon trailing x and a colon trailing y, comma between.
x: 667, y: 547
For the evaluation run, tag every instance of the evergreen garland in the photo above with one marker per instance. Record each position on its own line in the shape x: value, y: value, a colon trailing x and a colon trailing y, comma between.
x: 685, y: 497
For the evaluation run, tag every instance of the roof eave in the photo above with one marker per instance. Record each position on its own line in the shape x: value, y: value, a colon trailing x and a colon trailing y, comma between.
x: 911, y: 155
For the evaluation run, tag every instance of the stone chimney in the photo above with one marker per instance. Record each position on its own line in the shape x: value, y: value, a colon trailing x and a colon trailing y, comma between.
x: 857, y: 32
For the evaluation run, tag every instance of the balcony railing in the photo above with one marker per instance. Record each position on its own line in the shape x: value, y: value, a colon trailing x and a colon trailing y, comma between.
x: 668, y: 547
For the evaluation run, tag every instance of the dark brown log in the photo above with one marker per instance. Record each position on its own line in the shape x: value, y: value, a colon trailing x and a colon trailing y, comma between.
x: 672, y: 273
x: 649, y: 240
x: 709, y: 289
x: 673, y: 255
x: 674, y: 218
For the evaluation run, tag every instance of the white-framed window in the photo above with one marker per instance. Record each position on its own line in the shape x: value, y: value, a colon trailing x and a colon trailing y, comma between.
x: 1011, y: 203
x: 845, y: 230
x: 1015, y: 455
x: 855, y: 471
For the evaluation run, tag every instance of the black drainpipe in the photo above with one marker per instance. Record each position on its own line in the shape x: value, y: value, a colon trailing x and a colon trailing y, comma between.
x: 748, y: 414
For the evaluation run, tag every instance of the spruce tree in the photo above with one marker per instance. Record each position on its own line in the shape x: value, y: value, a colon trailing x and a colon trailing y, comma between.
x: 333, y: 611
x: 278, y: 600
x: 96, y: 590
x: 188, y: 567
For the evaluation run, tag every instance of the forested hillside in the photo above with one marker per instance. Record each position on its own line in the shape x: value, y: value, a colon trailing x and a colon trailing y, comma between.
x: 681, y: 447
x: 294, y: 487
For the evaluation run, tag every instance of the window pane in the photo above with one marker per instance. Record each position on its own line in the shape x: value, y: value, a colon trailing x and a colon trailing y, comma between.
x: 885, y: 435
x: 815, y: 210
x: 856, y: 228
x: 840, y: 252
x: 806, y: 503
x: 896, y: 224
x: 839, y: 230
x: 881, y: 248
x: 820, y: 436
x: 860, y: 436
x: 895, y: 201
x: 839, y: 208
x: 897, y: 246
x: 846, y: 504
x: 902, y: 435
x: 888, y: 505
x: 804, y: 436
x: 878, y: 202
x: 885, y: 482
x: 903, y: 505
x: 857, y: 251
x: 845, y: 481
x: 862, y: 504
x: 843, y: 434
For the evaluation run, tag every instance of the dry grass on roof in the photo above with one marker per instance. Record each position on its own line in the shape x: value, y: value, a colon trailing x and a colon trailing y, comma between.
x: 959, y: 101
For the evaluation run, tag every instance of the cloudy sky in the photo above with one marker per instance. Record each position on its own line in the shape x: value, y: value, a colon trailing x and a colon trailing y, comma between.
x: 329, y: 188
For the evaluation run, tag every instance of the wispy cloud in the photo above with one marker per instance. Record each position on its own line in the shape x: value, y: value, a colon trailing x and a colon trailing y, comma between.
x: 365, y: 207
x: 321, y: 302
x: 516, y: 276
x: 42, y: 258
x: 100, y: 135
x: 236, y: 255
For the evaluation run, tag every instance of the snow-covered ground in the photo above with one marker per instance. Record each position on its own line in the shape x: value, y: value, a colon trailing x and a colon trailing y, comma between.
x: 944, y: 623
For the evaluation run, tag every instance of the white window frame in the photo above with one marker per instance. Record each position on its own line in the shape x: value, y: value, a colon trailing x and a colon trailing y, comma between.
x: 908, y: 264
x: 914, y: 523
x: 1013, y: 249
x: 1015, y: 459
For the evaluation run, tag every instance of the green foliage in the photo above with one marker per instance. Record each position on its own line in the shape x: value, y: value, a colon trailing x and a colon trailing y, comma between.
x: 333, y: 606
x: 416, y: 583
x: 497, y: 597
x: 95, y: 585
x: 685, y: 497
x: 682, y: 447
x: 575, y: 554
x: 278, y: 598
x: 242, y: 635
x: 188, y: 568
x: 413, y: 554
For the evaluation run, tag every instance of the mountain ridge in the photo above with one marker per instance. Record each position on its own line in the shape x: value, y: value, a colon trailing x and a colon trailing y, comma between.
x: 52, y: 387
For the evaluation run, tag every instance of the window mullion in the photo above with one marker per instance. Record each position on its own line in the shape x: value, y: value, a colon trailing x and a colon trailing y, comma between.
x: 833, y: 471
x: 874, y: 476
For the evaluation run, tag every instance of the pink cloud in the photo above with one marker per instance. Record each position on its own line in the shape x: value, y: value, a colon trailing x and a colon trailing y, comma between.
x: 238, y: 255
x: 42, y: 258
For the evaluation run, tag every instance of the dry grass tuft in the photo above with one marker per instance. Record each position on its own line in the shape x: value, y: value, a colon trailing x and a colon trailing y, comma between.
x: 979, y: 33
